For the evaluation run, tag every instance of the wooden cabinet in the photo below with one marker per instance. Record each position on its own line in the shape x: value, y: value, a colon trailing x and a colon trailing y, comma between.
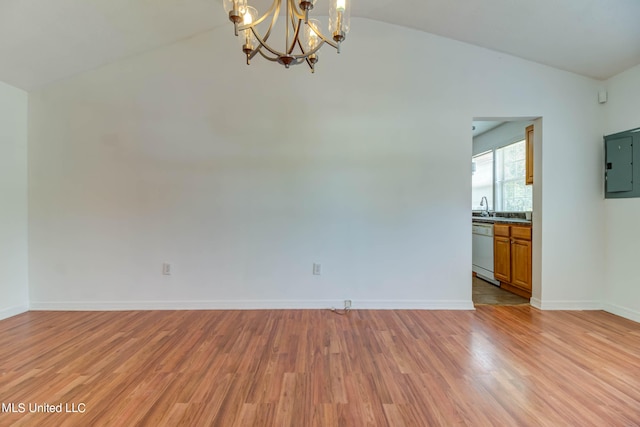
x: 512, y: 258
x: 501, y: 253
x: 529, y: 155
x: 521, y: 264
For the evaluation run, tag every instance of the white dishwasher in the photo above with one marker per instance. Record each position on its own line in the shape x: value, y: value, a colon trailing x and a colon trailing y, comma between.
x: 482, y: 253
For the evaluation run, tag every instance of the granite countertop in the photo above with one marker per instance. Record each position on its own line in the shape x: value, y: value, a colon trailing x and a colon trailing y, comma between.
x: 501, y: 218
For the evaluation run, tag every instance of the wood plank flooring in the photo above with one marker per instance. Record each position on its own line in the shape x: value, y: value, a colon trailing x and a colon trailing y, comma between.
x: 494, y: 366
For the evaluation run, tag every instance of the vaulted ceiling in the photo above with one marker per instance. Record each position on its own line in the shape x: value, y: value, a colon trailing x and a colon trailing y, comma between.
x: 44, y: 41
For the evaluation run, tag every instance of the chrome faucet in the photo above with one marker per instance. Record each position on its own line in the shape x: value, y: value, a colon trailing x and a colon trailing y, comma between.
x: 484, y: 202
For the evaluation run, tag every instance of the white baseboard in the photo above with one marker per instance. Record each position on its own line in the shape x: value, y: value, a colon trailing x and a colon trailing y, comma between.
x: 535, y: 302
x: 627, y: 313
x: 413, y: 305
x: 302, y: 304
x: 13, y: 311
x: 566, y: 305
x: 249, y: 305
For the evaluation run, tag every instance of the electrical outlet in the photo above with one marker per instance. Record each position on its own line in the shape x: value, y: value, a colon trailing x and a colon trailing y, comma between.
x: 317, y: 269
x: 166, y: 269
x: 347, y: 304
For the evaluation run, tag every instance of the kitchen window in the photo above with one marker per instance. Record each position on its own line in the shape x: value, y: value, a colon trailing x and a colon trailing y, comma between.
x: 482, y: 180
x: 499, y: 175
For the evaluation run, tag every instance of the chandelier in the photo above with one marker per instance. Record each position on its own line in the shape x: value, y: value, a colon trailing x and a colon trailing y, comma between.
x: 303, y: 37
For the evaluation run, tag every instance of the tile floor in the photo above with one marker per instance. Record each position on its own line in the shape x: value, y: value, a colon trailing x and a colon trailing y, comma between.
x: 487, y: 294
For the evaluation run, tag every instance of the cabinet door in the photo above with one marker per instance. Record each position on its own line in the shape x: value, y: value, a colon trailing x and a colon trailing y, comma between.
x: 529, y: 155
x: 501, y: 230
x: 502, y: 258
x: 521, y: 264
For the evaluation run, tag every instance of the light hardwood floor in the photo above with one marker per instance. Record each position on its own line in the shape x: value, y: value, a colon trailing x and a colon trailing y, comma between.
x: 495, y: 366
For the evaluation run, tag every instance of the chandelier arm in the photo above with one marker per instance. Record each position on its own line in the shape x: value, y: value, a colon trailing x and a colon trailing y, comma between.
x: 326, y: 40
x: 300, y: 46
x: 309, y: 64
x: 263, y: 44
x: 265, y: 56
x: 263, y: 41
x: 287, y: 30
x: 296, y: 12
x: 295, y: 36
x: 306, y: 57
x: 254, y: 52
x: 277, y: 54
x: 309, y: 53
x: 273, y: 22
x: 304, y: 54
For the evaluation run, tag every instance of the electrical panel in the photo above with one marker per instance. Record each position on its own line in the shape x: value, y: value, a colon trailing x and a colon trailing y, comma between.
x: 622, y: 151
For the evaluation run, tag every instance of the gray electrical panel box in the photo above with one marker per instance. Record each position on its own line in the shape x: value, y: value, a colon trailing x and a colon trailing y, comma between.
x: 620, y: 157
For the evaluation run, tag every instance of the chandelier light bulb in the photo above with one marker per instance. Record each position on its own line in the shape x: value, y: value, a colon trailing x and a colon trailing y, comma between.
x: 311, y: 34
x: 235, y: 8
x: 247, y: 19
x: 248, y: 39
x: 339, y: 20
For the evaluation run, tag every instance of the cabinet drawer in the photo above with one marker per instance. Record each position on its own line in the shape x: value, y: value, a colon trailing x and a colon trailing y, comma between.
x: 501, y: 230
x: 523, y: 233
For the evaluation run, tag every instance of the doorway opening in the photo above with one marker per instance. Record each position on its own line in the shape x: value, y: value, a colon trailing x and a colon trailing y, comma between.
x: 505, y: 201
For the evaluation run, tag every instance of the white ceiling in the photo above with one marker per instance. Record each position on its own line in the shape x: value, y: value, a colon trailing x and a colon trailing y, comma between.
x: 480, y: 127
x: 43, y: 41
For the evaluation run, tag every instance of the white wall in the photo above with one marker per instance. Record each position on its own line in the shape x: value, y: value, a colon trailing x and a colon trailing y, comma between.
x: 622, y: 226
x: 13, y: 201
x: 242, y: 177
